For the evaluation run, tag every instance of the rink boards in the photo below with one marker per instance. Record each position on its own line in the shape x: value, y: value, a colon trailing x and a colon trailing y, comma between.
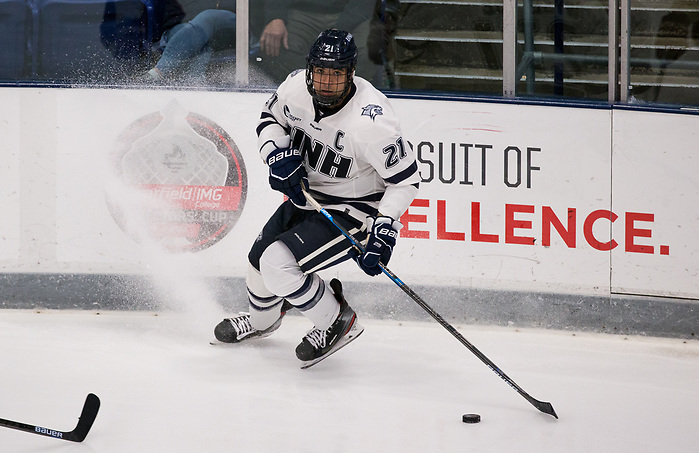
x: 582, y: 201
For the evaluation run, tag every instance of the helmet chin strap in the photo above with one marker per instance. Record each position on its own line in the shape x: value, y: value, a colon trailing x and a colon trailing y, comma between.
x: 326, y: 109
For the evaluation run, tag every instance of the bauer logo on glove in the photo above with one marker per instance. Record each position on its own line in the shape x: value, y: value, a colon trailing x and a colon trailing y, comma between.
x: 388, y: 232
x: 287, y: 173
x: 283, y: 154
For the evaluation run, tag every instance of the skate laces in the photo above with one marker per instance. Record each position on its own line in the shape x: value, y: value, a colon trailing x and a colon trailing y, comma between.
x: 317, y: 338
x: 241, y: 324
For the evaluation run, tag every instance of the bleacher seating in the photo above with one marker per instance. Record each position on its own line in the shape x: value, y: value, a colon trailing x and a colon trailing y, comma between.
x: 452, y: 45
x: 456, y: 45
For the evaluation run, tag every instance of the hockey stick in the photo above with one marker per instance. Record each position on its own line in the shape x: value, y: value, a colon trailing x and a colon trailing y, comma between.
x: 87, y: 418
x: 544, y: 407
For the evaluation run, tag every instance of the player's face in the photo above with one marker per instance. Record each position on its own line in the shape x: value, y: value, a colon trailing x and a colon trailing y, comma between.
x: 329, y: 82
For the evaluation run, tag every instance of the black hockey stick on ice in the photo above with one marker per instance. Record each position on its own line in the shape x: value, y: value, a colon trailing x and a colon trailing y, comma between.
x: 87, y: 418
x: 544, y: 407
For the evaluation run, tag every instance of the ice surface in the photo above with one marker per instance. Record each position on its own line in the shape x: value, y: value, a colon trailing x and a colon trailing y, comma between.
x: 402, y: 387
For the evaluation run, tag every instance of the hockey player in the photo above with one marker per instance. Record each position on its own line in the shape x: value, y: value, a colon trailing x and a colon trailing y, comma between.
x: 336, y: 135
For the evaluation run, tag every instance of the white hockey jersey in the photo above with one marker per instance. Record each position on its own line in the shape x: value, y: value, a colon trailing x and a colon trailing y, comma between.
x: 356, y: 158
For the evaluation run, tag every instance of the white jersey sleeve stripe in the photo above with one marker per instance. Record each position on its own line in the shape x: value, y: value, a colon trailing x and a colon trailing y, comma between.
x: 404, y: 175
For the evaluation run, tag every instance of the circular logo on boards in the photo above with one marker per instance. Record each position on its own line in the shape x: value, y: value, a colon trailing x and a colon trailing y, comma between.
x: 179, y: 180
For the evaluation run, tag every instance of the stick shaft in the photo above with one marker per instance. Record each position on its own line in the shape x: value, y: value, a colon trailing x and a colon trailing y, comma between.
x: 542, y: 406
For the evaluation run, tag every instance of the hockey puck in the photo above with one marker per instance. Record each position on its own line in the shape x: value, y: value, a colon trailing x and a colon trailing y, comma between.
x: 471, y: 418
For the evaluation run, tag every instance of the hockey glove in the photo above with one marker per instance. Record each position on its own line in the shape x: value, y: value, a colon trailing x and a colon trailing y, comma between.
x: 287, y: 173
x: 383, y: 232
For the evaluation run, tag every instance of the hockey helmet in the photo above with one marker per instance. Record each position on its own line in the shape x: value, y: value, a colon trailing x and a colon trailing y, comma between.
x: 333, y: 49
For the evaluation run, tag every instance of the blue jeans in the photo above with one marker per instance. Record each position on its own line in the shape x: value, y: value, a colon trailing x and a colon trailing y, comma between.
x: 193, y: 43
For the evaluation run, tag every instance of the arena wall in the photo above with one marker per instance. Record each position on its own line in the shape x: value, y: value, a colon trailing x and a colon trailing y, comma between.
x: 565, y: 217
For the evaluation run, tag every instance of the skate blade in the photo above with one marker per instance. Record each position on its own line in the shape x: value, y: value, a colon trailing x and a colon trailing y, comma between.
x: 355, y: 331
x: 216, y: 342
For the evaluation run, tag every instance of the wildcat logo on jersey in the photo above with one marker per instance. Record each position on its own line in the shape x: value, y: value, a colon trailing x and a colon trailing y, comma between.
x: 372, y: 110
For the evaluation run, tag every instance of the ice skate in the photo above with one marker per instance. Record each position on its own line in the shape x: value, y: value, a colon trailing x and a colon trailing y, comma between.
x: 318, y: 344
x: 239, y: 328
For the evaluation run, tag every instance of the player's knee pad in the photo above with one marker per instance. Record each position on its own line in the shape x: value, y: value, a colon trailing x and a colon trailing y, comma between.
x: 256, y: 285
x: 280, y: 272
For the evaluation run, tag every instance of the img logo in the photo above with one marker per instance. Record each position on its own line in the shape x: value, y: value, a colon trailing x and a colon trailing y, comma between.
x: 179, y: 180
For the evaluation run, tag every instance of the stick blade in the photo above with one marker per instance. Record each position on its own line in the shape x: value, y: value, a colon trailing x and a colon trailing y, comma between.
x: 87, y: 418
x: 546, y: 408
